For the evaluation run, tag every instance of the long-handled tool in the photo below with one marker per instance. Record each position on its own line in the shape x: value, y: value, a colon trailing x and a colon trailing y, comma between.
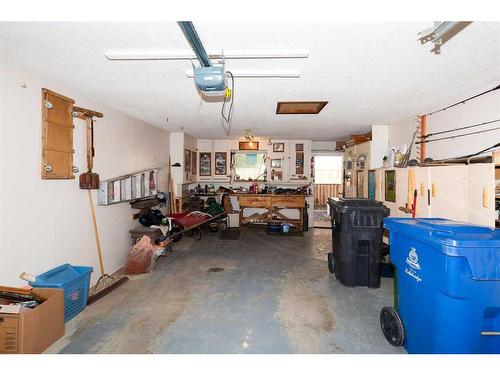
x: 90, y: 181
x: 106, y: 283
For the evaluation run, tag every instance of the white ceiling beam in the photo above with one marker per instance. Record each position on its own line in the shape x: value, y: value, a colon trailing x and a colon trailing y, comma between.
x: 258, y: 74
x: 228, y: 54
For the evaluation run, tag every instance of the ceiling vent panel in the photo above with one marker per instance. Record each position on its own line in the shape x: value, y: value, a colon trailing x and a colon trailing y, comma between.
x: 300, y: 108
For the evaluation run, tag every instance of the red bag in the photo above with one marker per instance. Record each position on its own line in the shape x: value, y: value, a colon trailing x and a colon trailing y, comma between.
x: 142, y: 256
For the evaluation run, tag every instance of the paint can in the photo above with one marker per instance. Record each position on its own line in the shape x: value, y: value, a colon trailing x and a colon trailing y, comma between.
x: 285, y: 227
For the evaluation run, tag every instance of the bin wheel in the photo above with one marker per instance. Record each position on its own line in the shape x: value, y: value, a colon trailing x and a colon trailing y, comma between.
x: 392, y: 326
x: 331, y: 263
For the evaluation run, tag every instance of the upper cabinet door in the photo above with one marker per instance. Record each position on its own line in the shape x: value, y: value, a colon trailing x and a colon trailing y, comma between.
x: 423, y: 191
x: 481, y: 197
x: 57, y: 136
x: 449, y: 190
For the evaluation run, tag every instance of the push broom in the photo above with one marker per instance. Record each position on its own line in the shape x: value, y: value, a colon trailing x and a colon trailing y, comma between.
x: 90, y: 181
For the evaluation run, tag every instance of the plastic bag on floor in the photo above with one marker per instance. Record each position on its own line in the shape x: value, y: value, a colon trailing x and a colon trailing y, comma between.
x: 142, y: 256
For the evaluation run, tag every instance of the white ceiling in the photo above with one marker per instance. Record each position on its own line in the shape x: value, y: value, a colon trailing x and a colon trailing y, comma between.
x: 371, y: 73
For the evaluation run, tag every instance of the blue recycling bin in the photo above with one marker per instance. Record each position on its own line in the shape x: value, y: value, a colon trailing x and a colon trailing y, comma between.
x: 448, y: 287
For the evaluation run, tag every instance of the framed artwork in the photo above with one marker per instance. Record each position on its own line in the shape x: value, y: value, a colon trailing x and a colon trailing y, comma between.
x: 187, y: 160
x: 275, y: 163
x: 390, y: 186
x: 252, y: 146
x: 205, y: 164
x: 371, y: 184
x: 220, y: 163
x: 278, y: 147
x: 360, y: 186
x: 299, y: 147
x: 193, y: 162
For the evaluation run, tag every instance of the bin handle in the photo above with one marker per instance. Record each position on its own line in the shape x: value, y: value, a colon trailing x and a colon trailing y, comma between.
x: 440, y: 233
x: 490, y: 333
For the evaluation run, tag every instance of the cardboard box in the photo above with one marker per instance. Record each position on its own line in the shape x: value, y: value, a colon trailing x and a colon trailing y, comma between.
x: 34, y: 330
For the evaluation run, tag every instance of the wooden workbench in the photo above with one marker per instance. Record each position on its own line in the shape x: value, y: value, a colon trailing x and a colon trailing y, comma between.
x: 273, y: 204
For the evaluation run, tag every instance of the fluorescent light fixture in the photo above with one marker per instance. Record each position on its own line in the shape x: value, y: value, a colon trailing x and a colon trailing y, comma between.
x: 227, y: 54
x: 258, y: 74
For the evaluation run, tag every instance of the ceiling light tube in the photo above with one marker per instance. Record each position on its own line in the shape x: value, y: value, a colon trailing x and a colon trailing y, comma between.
x: 258, y: 74
x: 228, y: 54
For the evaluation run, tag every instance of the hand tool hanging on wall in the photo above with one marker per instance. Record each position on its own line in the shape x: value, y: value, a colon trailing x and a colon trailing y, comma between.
x: 90, y: 181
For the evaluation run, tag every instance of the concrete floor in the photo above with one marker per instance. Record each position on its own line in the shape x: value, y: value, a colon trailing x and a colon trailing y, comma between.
x: 275, y: 295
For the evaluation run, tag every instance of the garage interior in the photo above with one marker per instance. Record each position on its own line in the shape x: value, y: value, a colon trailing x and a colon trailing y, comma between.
x: 185, y: 187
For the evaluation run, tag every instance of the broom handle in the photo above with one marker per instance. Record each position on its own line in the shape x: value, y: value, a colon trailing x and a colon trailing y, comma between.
x: 96, y: 232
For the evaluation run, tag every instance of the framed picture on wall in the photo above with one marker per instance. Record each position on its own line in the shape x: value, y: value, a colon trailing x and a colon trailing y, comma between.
x: 371, y: 184
x: 390, y: 186
x: 299, y: 147
x: 187, y: 160
x: 205, y: 164
x: 193, y: 162
x: 275, y: 163
x: 278, y: 147
x: 360, y: 185
x: 221, y: 163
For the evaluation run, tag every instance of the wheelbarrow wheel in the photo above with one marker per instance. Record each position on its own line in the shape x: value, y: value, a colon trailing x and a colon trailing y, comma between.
x: 392, y: 326
x: 195, y: 233
x: 331, y: 263
x: 175, y: 229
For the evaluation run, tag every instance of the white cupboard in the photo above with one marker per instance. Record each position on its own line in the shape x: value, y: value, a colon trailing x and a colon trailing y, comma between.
x: 458, y: 192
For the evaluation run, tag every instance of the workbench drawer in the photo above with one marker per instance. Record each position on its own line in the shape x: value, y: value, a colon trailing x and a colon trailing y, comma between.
x: 254, y: 201
x: 288, y: 202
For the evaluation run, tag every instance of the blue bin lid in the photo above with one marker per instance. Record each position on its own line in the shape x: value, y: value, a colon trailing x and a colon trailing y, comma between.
x: 445, y: 232
x: 479, y: 244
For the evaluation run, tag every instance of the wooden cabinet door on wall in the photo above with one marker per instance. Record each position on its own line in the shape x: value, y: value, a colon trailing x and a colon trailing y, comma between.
x: 57, y: 136
x: 448, y: 187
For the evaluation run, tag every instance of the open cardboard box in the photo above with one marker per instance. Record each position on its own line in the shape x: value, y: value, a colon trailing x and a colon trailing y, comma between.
x: 34, y: 330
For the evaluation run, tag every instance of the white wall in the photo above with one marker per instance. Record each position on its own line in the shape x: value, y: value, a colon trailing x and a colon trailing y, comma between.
x: 323, y: 146
x: 45, y: 223
x: 481, y: 109
x: 177, y: 156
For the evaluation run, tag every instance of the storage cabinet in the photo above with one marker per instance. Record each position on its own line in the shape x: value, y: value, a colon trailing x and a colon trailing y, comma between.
x: 461, y: 192
x: 57, y: 136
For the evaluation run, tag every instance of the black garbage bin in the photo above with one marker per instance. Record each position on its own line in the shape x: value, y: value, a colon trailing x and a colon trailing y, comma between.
x: 356, y: 240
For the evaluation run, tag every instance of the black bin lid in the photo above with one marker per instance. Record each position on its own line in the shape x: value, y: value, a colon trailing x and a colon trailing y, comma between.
x: 355, y: 202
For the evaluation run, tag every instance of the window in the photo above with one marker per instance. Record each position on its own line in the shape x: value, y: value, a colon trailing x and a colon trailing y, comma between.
x: 249, y: 166
x: 328, y: 169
